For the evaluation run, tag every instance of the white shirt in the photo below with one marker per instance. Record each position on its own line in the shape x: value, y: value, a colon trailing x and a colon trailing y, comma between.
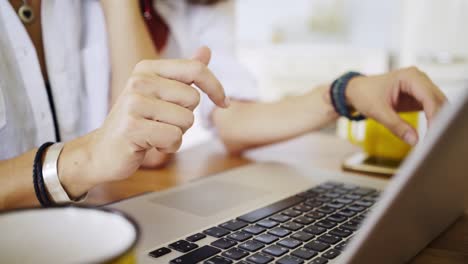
x: 192, y: 26
x: 75, y: 46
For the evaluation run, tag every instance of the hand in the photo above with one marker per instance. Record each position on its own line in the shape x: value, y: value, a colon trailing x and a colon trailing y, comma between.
x: 155, y: 159
x: 380, y: 97
x: 153, y: 112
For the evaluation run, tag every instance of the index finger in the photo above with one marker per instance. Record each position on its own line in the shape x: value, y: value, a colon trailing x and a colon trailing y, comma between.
x: 428, y: 94
x: 188, y: 72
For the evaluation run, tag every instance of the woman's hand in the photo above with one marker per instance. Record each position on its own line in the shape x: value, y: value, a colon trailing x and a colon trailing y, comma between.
x: 153, y: 112
x: 380, y: 97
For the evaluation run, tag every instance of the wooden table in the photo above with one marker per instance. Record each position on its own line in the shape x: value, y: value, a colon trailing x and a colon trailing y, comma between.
x: 319, y: 150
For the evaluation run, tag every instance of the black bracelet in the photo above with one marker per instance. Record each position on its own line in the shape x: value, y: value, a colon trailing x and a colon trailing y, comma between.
x: 38, y: 180
x: 338, y: 97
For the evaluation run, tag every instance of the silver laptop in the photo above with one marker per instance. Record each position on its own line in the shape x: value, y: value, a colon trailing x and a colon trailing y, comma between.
x: 274, y: 213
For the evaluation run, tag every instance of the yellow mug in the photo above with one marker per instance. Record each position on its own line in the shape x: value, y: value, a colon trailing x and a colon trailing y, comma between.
x: 377, y: 141
x: 67, y: 235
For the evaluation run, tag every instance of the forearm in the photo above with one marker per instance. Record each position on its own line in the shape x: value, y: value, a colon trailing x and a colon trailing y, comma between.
x: 16, y: 187
x: 16, y: 184
x: 129, y: 41
x: 249, y: 124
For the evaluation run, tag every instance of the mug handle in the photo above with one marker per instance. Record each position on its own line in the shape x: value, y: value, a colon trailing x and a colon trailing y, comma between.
x: 350, y: 134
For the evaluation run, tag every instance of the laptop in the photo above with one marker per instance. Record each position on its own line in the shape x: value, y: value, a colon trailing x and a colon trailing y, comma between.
x: 277, y: 213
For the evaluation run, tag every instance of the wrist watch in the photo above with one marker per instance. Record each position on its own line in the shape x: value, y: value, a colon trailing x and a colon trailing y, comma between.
x: 338, y: 98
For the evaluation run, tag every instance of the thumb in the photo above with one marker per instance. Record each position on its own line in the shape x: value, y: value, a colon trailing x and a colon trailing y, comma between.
x: 390, y: 119
x: 203, y: 54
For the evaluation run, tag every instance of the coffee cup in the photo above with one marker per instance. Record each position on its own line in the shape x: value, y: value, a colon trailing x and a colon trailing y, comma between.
x: 377, y: 141
x: 67, y: 235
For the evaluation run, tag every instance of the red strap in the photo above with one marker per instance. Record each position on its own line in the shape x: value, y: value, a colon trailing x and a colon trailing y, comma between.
x: 157, y: 27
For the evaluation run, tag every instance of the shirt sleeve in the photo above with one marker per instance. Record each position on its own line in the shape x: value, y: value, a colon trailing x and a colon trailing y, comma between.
x: 213, y: 26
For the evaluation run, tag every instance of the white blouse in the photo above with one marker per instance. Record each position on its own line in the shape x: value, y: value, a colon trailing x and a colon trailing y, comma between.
x: 75, y: 46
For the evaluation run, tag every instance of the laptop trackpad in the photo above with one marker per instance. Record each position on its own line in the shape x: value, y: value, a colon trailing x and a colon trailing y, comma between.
x: 209, y: 197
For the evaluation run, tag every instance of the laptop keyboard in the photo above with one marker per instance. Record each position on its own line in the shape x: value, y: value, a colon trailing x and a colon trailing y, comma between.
x: 311, y: 227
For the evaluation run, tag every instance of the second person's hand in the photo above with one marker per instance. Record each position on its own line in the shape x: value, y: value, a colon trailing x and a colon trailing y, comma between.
x: 381, y: 97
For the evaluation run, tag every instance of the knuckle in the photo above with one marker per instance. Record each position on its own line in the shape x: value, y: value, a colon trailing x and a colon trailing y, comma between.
x: 174, y: 136
x: 410, y: 73
x: 371, y: 111
x: 398, y: 127
x: 164, y: 145
x: 414, y: 70
x: 136, y: 82
x: 199, y: 67
x: 442, y: 99
x: 175, y: 146
x: 190, y: 120
x: 424, y: 74
x: 133, y: 101
x: 142, y: 65
x: 194, y: 99
x: 130, y: 125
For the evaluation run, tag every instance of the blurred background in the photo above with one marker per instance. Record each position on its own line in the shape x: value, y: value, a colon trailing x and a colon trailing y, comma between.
x: 291, y: 46
x: 288, y: 43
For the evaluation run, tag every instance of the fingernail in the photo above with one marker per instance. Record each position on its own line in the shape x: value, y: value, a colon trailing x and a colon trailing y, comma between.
x: 227, y: 102
x: 410, y: 138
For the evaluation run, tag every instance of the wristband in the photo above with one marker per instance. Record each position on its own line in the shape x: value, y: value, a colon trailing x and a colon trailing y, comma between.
x: 51, y: 178
x: 38, y: 181
x: 338, y: 96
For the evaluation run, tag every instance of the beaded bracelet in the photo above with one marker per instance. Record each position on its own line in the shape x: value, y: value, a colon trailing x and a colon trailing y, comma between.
x: 338, y: 97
